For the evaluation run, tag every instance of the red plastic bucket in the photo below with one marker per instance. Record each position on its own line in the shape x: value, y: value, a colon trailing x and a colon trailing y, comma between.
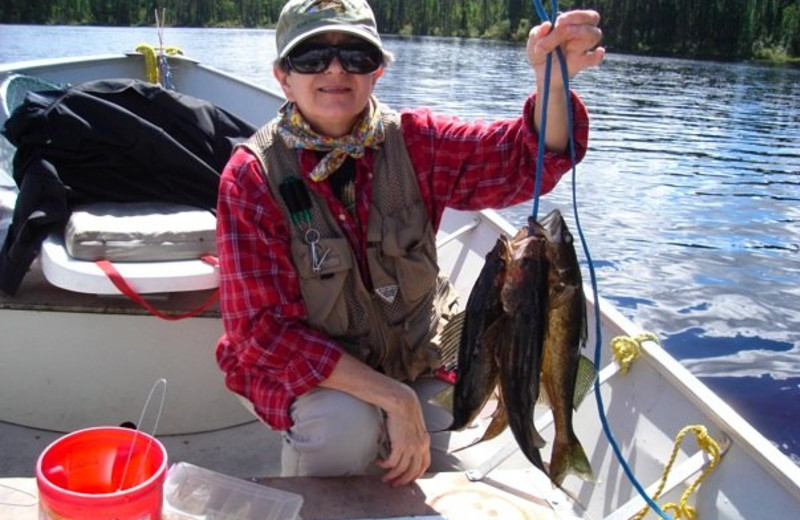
x: 80, y: 475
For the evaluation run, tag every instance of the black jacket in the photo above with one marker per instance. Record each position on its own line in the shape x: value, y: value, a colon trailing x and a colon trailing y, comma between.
x: 121, y: 140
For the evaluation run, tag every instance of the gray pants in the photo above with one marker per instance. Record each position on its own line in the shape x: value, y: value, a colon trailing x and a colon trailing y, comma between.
x: 335, y: 434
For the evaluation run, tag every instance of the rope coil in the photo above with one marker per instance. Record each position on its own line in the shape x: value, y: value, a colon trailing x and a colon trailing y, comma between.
x: 682, y: 509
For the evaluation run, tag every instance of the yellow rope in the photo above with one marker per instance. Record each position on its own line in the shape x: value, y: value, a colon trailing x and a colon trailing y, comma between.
x: 153, y: 75
x: 150, y: 62
x: 682, y: 509
x: 626, y: 349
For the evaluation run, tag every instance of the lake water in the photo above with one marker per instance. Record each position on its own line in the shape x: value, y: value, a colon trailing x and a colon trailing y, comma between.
x: 689, y: 195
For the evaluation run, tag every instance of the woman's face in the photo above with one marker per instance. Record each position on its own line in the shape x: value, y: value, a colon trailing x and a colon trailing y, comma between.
x: 332, y: 100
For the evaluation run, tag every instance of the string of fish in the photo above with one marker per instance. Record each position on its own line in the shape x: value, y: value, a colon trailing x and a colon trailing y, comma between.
x: 297, y: 199
x: 543, y: 15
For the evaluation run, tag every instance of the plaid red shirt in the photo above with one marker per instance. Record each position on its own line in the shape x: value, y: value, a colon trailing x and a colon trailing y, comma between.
x: 268, y: 352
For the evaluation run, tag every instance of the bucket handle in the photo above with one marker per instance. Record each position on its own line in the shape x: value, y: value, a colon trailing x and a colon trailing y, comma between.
x: 162, y: 383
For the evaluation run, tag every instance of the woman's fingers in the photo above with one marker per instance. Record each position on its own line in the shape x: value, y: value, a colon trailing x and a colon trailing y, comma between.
x: 404, y: 468
x: 578, y: 35
x: 410, y: 444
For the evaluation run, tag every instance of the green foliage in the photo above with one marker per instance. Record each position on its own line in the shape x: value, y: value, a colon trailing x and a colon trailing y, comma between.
x: 406, y: 30
x: 500, y: 30
x: 523, y: 29
x: 732, y: 29
x: 790, y: 28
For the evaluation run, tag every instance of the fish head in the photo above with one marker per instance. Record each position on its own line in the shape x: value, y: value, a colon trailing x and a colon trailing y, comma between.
x: 561, y: 250
x: 527, y: 260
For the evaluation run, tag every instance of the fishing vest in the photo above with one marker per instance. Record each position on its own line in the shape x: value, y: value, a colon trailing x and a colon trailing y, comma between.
x: 392, y: 327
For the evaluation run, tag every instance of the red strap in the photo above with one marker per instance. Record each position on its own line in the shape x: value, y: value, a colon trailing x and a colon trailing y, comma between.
x: 211, y: 260
x: 448, y: 376
x: 120, y: 283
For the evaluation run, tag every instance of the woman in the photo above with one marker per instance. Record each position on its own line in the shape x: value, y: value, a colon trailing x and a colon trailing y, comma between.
x: 330, y: 294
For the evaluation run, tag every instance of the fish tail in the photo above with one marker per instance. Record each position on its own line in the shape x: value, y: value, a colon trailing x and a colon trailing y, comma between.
x: 569, y: 458
x: 533, y: 455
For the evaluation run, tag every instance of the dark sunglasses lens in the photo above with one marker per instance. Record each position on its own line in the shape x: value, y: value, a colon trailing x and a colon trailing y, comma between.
x: 310, y: 60
x: 355, y: 59
x: 362, y: 59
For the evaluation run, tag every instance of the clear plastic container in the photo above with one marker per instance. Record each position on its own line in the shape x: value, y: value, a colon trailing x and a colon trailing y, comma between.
x: 194, y: 493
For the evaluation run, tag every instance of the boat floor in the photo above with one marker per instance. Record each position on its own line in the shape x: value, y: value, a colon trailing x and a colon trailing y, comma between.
x: 242, y: 451
x: 438, y: 496
x: 252, y: 452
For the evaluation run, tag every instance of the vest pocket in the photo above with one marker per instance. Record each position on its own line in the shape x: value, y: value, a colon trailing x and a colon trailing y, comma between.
x: 417, y: 272
x: 323, y: 287
x: 409, y: 249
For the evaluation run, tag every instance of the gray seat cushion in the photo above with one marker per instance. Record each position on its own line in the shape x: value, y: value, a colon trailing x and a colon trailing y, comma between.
x: 140, y: 232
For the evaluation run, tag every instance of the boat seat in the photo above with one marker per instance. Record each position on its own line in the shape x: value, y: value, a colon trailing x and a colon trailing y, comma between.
x: 85, y: 276
x: 156, y: 247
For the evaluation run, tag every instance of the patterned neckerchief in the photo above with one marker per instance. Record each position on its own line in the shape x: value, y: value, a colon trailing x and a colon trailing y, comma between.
x: 297, y: 133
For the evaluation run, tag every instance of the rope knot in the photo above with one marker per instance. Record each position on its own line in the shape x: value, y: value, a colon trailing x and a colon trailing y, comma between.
x: 707, y: 443
x: 681, y: 511
x: 626, y: 349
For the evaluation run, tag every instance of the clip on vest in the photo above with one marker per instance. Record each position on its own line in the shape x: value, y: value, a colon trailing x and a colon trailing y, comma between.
x: 295, y: 195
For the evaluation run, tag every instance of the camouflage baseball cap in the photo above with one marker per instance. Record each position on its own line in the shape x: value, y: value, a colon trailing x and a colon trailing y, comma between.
x: 301, y: 19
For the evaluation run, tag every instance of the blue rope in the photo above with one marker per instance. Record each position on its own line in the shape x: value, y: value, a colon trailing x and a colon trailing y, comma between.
x: 537, y: 4
x: 537, y: 189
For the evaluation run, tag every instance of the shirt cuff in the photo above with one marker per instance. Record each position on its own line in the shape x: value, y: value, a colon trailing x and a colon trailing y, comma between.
x: 580, y: 125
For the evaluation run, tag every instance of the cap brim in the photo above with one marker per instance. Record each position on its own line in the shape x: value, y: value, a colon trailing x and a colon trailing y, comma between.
x: 349, y: 29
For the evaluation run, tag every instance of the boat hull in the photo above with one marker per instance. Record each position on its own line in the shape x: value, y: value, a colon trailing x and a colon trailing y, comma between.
x: 70, y: 361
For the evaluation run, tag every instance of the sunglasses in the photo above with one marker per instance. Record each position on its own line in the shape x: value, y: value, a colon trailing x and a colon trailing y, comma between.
x: 355, y: 58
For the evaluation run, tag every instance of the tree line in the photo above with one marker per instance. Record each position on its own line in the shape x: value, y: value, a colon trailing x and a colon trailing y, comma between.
x: 726, y: 29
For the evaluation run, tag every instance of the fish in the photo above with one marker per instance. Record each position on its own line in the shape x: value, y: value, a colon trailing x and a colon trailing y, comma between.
x: 522, y: 331
x: 524, y: 299
x: 499, y: 417
x: 565, y: 376
x: 478, y: 371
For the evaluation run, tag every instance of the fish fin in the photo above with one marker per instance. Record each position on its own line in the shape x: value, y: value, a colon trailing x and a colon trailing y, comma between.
x: 536, y: 458
x: 450, y: 339
x: 584, y: 380
x: 497, y: 426
x: 570, y: 459
x: 499, y: 421
x: 537, y: 438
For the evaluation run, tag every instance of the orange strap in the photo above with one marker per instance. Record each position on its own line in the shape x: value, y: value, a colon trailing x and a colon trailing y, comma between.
x: 120, y: 283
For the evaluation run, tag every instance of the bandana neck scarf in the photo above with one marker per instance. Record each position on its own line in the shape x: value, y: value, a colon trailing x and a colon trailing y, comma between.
x: 297, y: 133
